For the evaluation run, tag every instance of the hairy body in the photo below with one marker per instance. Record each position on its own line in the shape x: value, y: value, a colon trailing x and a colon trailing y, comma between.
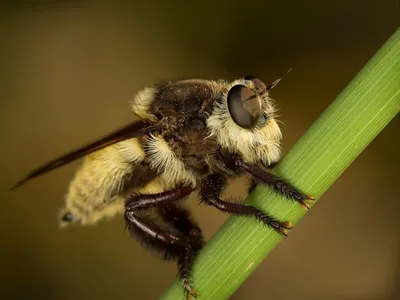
x: 192, y: 136
x: 184, y: 153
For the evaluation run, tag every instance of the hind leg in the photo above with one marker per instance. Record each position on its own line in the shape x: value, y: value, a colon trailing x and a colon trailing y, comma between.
x: 181, y: 242
x: 180, y: 219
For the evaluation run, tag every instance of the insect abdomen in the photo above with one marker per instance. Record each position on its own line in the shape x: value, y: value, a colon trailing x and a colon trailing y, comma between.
x: 102, y: 176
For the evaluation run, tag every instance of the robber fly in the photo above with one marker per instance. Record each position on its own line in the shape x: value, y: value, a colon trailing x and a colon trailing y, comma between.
x: 191, y: 136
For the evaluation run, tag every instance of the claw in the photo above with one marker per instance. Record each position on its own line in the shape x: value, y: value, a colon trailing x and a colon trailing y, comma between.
x: 191, y: 292
x: 282, y: 227
x: 188, y: 289
x: 283, y: 231
x: 306, y: 203
x: 287, y: 225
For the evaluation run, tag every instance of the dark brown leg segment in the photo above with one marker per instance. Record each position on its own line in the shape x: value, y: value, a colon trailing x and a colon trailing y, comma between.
x: 211, y: 190
x: 136, y: 202
x: 280, y: 185
x: 179, y: 239
x: 154, y: 236
x: 180, y: 219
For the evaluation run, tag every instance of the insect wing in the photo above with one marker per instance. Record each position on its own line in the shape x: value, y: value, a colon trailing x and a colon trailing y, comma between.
x: 132, y: 130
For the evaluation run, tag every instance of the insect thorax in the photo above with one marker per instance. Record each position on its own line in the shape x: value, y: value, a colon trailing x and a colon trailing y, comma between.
x: 198, y: 125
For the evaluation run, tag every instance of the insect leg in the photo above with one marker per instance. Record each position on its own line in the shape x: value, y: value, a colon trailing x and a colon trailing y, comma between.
x: 180, y: 243
x: 180, y: 219
x: 279, y: 184
x: 136, y: 202
x: 148, y: 231
x: 211, y: 191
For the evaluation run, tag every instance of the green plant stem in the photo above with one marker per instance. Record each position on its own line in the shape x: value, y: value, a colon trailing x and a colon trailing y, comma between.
x: 320, y: 156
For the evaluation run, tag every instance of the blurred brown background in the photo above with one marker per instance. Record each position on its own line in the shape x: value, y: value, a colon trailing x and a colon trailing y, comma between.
x: 69, y: 70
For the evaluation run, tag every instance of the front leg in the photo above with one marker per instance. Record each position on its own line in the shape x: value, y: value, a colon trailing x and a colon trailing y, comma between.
x: 263, y: 176
x: 210, y: 194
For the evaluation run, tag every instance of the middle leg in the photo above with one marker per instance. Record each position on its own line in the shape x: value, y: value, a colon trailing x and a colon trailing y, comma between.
x: 210, y: 194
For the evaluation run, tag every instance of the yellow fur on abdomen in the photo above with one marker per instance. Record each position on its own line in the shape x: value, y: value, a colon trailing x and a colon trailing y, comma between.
x: 99, y: 181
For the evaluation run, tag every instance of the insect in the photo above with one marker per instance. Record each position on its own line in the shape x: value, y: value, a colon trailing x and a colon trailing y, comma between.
x: 191, y: 136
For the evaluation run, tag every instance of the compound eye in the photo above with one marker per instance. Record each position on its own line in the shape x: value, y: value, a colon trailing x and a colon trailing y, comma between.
x: 244, y: 106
